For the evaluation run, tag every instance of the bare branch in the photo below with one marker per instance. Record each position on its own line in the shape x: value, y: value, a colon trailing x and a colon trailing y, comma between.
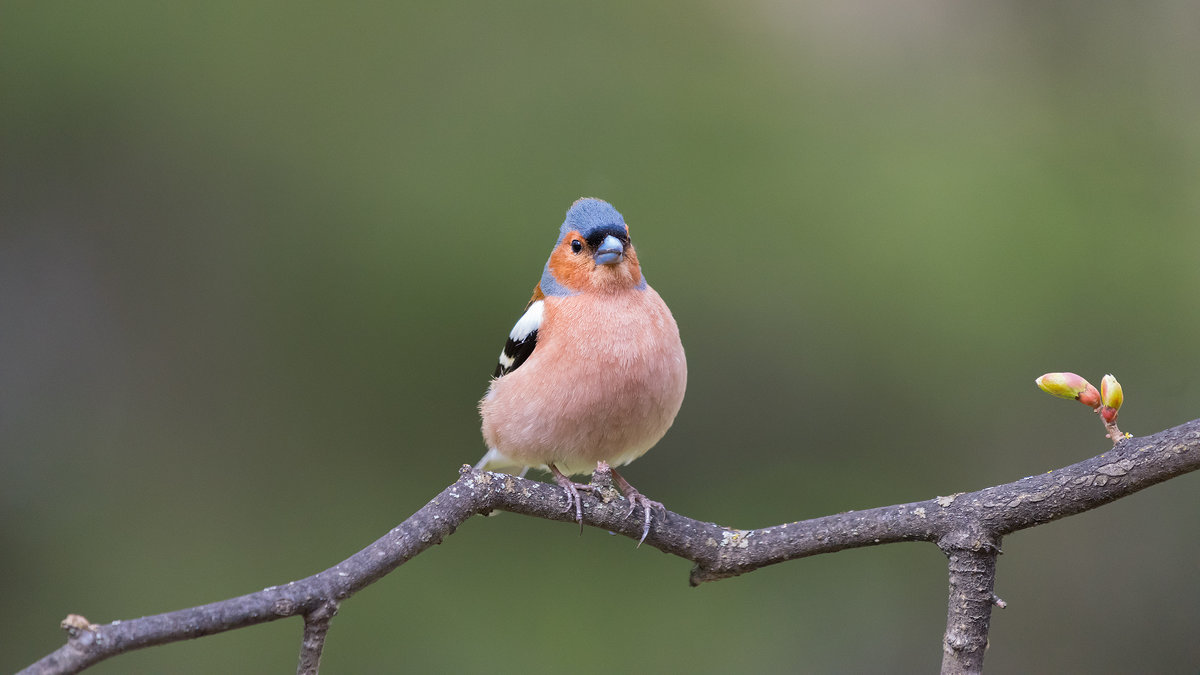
x: 967, y: 527
x: 972, y: 575
x: 316, y: 625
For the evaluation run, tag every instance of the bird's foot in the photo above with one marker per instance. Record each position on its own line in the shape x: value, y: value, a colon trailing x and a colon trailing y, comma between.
x: 637, y: 499
x: 572, y: 489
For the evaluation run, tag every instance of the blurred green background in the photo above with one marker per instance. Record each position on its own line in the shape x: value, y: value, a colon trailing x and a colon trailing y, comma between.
x: 257, y: 260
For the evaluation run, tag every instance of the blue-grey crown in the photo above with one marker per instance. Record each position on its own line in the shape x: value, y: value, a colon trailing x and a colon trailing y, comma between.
x: 588, y: 215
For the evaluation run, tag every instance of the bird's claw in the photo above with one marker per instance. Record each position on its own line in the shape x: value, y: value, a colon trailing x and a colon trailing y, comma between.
x: 572, y: 489
x: 638, y: 499
x: 635, y: 498
x: 647, y: 504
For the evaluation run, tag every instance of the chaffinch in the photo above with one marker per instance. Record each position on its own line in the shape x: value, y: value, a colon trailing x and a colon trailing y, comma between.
x: 593, y: 372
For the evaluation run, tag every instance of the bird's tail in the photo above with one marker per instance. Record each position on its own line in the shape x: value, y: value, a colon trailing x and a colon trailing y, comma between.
x: 494, y: 461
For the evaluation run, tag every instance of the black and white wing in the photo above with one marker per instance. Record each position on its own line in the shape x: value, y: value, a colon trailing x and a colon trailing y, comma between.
x: 521, y: 340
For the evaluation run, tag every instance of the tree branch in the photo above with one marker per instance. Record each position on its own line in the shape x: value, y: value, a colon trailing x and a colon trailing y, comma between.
x: 972, y: 576
x: 316, y: 625
x: 967, y: 526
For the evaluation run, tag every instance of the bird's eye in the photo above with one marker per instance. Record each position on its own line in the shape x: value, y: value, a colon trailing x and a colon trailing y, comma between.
x: 576, y: 245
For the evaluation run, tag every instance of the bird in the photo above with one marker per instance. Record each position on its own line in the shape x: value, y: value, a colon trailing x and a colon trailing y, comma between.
x: 593, y: 373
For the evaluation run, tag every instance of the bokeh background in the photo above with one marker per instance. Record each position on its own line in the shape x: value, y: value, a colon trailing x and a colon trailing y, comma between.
x: 257, y: 260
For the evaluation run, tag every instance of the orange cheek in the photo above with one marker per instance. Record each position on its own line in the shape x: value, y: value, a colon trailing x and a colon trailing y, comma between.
x: 635, y: 269
x: 568, y: 267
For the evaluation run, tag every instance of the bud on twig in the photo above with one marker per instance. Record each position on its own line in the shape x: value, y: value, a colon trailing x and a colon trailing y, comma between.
x: 1104, y: 402
x: 1111, y: 399
x: 1110, y: 392
x: 1069, y: 385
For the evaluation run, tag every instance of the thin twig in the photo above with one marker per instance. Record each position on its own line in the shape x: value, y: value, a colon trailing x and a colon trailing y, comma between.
x: 316, y: 625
